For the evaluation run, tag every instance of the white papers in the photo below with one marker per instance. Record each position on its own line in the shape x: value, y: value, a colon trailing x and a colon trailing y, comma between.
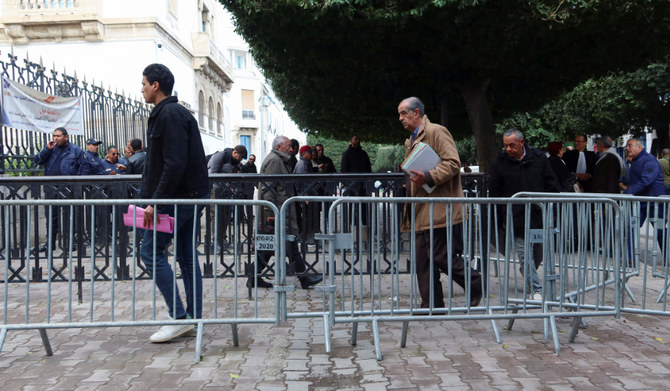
x: 422, y: 158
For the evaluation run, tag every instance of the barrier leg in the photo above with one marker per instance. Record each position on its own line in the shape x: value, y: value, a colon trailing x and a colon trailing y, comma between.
x: 326, y: 327
x: 511, y: 321
x: 3, y: 334
x: 554, y: 331
x: 45, y: 341
x: 664, y: 292
x: 494, y: 325
x: 198, y: 343
x: 575, y: 328
x: 403, y: 338
x: 375, y: 332
x: 354, y: 333
x: 236, y: 340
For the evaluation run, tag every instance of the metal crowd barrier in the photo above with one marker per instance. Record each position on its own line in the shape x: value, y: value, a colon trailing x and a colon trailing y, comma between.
x: 367, y: 263
x: 119, y: 302
x: 645, y: 266
x: 577, y: 283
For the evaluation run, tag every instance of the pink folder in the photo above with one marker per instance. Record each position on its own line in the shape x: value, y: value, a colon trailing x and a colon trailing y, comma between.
x: 165, y: 222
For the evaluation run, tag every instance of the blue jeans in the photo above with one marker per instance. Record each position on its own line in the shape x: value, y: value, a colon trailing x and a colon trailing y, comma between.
x: 646, y: 210
x: 189, y: 266
x: 533, y: 284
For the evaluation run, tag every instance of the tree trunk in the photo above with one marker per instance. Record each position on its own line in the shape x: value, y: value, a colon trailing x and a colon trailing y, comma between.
x: 481, y: 120
x: 444, y: 116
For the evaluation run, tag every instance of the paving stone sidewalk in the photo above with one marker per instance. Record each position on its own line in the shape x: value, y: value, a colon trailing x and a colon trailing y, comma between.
x: 630, y: 353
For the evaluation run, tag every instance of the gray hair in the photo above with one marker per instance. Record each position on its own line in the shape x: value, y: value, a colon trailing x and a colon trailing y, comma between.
x: 606, y: 141
x: 279, y: 140
x: 414, y: 103
x: 513, y: 132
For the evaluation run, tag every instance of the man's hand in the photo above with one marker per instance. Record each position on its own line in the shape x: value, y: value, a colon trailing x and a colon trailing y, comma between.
x: 51, y: 144
x: 583, y: 177
x: 419, y: 177
x: 149, y: 216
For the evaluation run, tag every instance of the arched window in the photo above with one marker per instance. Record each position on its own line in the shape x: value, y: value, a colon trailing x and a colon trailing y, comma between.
x: 210, y: 112
x: 219, y: 120
x: 201, y: 109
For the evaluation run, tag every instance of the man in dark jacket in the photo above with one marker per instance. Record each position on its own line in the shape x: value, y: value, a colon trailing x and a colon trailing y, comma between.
x: 324, y: 163
x: 175, y: 167
x: 136, y: 160
x: 609, y: 168
x: 250, y: 166
x: 226, y: 162
x: 581, y: 162
x: 60, y: 158
x: 94, y: 160
x: 645, y: 180
x: 522, y: 168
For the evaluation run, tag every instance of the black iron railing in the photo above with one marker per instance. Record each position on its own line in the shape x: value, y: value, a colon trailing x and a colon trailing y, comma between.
x: 108, y: 116
x: 234, y: 235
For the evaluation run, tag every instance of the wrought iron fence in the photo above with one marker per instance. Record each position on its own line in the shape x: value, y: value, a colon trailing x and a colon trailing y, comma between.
x: 108, y: 116
x: 226, y: 230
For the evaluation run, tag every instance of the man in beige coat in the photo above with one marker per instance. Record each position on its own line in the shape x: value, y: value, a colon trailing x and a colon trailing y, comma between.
x: 446, y: 178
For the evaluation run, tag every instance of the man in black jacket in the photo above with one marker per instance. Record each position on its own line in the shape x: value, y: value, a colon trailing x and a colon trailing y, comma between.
x: 581, y: 162
x: 175, y: 167
x: 522, y: 168
x: 226, y: 162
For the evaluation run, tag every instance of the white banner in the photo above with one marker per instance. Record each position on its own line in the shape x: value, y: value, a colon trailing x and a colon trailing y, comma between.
x: 29, y: 109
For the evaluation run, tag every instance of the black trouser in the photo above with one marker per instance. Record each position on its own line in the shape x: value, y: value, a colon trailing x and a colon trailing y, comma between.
x: 441, y: 263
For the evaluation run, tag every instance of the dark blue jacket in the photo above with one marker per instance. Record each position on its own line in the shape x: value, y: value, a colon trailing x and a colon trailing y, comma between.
x: 67, y: 160
x: 175, y: 165
x: 94, y: 163
x: 645, y: 176
x: 110, y: 167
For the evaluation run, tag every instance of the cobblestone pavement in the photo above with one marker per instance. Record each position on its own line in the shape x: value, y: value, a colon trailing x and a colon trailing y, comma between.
x: 630, y: 353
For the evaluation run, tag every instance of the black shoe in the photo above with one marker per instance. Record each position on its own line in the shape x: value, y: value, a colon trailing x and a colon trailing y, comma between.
x: 307, y: 281
x: 475, y: 299
x: 260, y: 282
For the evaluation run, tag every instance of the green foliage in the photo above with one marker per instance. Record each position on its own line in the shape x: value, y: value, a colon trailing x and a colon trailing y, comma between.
x: 467, y: 150
x: 614, y: 104
x: 383, y: 157
x: 343, y: 65
x: 535, y: 134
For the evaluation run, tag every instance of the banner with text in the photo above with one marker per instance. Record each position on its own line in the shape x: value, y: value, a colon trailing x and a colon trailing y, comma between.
x: 29, y: 109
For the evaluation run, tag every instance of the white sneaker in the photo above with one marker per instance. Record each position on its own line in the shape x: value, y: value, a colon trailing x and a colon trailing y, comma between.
x: 166, y: 333
x: 537, y: 296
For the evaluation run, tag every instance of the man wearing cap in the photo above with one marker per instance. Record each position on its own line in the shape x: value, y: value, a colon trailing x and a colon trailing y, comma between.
x: 113, y: 165
x: 94, y: 161
x: 304, y: 165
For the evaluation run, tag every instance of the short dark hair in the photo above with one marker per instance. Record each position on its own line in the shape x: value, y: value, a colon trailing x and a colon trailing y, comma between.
x: 135, y: 144
x: 112, y: 147
x: 161, y: 74
x: 62, y: 130
x: 294, y: 143
x: 241, y: 150
x: 318, y: 145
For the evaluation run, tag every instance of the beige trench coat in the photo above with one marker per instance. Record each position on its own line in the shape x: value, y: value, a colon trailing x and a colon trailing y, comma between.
x: 446, y: 176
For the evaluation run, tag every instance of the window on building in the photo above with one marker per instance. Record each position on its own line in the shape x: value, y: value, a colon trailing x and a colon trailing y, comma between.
x: 219, y: 120
x: 246, y: 141
x: 211, y: 115
x: 201, y: 109
x: 248, y: 104
x: 205, y: 19
x: 238, y: 59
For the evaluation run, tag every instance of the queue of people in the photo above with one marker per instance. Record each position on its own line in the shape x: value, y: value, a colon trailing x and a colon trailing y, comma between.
x: 180, y: 169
